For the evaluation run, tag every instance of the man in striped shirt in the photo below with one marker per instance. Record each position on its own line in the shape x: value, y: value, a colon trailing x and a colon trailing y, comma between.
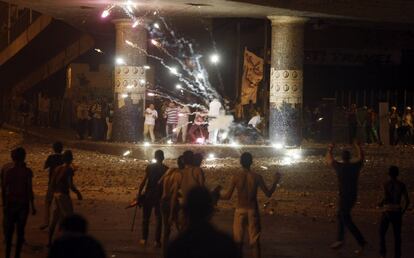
x: 171, y: 113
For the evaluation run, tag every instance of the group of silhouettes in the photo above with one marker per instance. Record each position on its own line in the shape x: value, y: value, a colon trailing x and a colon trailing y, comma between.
x: 179, y: 198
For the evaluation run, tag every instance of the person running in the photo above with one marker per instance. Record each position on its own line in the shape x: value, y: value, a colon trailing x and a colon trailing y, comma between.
x: 61, y: 184
x: 150, y: 116
x: 170, y: 208
x: 247, y: 182
x: 348, y: 174
x: 394, y: 192
x: 183, y: 113
x: 17, y: 196
x: 151, y: 197
x: 52, y: 162
x: 201, y: 238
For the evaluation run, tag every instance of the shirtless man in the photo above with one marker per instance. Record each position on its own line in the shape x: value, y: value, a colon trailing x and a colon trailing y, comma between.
x: 247, y: 182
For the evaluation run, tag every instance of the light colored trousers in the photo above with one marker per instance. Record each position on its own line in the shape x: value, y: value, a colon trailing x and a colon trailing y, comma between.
x: 250, y: 219
x: 182, y: 127
x: 149, y: 129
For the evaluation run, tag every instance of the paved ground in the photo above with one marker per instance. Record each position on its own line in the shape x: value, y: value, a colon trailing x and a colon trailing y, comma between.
x: 303, y: 225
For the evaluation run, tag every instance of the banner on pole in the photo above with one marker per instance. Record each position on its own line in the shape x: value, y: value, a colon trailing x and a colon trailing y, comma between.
x: 252, y: 75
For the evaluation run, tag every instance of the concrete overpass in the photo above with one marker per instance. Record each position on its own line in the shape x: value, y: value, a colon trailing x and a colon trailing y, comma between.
x: 288, y: 18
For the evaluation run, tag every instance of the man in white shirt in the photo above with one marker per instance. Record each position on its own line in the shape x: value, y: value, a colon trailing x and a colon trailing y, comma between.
x: 183, y: 113
x: 213, y: 112
x: 255, y: 121
x: 150, y: 115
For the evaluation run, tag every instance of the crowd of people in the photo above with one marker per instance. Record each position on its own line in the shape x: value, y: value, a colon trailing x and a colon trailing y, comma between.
x: 180, y: 199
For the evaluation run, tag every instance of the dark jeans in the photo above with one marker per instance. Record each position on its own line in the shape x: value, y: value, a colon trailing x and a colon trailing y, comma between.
x: 81, y: 127
x: 146, y: 215
x: 395, y: 218
x: 352, y: 132
x: 15, y: 216
x: 345, y: 220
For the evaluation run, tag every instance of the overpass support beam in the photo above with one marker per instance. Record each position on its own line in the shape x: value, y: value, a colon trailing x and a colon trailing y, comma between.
x: 286, y: 80
x: 130, y: 80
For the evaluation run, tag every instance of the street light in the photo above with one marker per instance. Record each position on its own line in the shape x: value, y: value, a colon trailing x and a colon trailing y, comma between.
x: 214, y: 58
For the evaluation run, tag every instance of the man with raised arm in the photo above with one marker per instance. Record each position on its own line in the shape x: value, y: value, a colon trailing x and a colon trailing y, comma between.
x: 347, y: 172
x: 247, y: 182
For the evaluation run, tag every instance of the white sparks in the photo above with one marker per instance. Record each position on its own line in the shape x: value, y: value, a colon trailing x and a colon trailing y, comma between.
x: 150, y: 94
x: 277, y: 145
x: 211, y: 156
x: 264, y: 167
x: 200, y: 76
x: 173, y: 70
x: 146, y: 144
x: 147, y: 67
x: 153, y: 161
x: 178, y: 86
x: 169, y: 142
x: 200, y: 140
x: 130, y: 86
x: 129, y: 43
x: 142, y: 81
x: 126, y: 153
x: 106, y: 13
x: 155, y: 43
x: 235, y: 144
x: 124, y: 95
x: 98, y: 50
x: 156, y: 25
x: 135, y: 24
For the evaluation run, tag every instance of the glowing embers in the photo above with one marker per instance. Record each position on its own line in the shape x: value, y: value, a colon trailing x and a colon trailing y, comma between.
x: 126, y: 153
x: 291, y: 157
x: 211, y: 156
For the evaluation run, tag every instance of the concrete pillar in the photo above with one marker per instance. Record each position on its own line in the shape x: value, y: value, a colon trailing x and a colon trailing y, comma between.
x: 130, y: 81
x: 286, y: 80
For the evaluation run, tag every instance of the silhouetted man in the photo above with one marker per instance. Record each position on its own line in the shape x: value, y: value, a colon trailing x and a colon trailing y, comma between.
x: 74, y: 241
x: 394, y: 192
x: 169, y: 208
x: 152, y: 197
x: 52, y: 162
x: 200, y: 238
x: 247, y: 182
x: 348, y: 174
x: 61, y: 184
x: 17, y: 196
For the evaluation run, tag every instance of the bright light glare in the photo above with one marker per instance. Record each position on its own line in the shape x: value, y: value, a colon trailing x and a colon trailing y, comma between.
x: 200, y: 76
x: 211, y: 156
x: 295, y: 154
x: 150, y: 94
x: 126, y: 153
x: 155, y: 43
x: 224, y: 135
x: 178, y: 86
x: 146, y: 144
x: 119, y: 61
x: 320, y: 118
x: 142, y: 81
x: 135, y: 24
x: 278, y: 145
x: 156, y: 25
x: 169, y: 142
x: 214, y: 58
x: 173, y: 70
x: 235, y: 144
x: 130, y: 86
x: 153, y: 161
x: 264, y: 167
x: 98, y: 50
x: 147, y: 67
x: 124, y: 95
x: 200, y: 140
x: 287, y: 161
x: 106, y: 13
